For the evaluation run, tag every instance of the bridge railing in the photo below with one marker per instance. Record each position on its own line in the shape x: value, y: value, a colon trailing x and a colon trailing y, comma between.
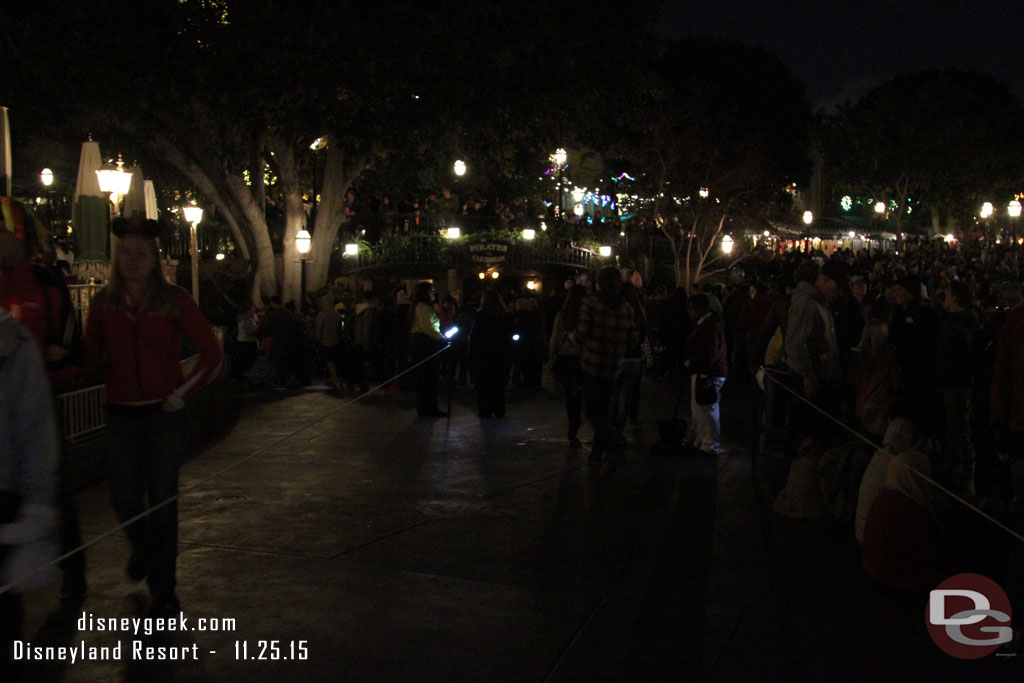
x: 430, y: 249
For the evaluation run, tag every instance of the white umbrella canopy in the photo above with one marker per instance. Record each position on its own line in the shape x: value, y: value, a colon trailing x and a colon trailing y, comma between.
x: 5, y: 153
x: 90, y: 216
x: 150, y: 193
x: 135, y: 200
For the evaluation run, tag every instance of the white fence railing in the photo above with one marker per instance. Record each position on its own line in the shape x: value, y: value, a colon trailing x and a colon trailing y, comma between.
x: 82, y: 411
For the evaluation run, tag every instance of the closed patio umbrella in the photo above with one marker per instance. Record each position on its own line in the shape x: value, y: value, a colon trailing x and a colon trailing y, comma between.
x: 5, y: 154
x: 135, y: 200
x: 150, y: 192
x: 90, y: 216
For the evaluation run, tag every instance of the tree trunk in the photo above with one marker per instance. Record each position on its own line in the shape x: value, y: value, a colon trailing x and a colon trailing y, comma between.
x: 339, y: 172
x: 265, y: 278
x: 294, y: 215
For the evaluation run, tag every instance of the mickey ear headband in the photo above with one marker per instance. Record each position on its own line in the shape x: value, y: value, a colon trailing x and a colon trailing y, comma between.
x: 123, y: 226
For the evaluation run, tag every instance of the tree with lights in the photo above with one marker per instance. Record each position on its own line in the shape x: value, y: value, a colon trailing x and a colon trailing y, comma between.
x: 724, y: 133
x: 937, y: 142
x: 228, y: 94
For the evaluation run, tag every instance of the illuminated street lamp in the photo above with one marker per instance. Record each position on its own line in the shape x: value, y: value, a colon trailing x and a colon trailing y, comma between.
x: 605, y: 251
x: 459, y: 168
x: 529, y: 233
x: 303, y: 241
x: 1013, y: 208
x: 351, y: 249
x: 194, y: 216
x: 114, y: 180
x: 808, y: 217
x: 880, y: 207
x: 703, y: 192
x: 987, y: 210
x: 453, y: 233
x: 727, y: 244
x: 559, y: 158
x: 46, y: 178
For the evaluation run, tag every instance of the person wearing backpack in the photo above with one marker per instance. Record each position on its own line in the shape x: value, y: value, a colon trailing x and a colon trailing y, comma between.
x: 35, y: 293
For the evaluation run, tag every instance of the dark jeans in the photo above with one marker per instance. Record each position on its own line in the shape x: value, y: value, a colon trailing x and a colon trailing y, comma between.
x: 571, y: 378
x: 597, y: 398
x: 626, y: 400
x: 425, y: 376
x: 491, y: 380
x: 146, y: 447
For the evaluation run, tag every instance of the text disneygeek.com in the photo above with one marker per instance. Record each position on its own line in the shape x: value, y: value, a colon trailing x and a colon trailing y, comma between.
x: 135, y: 649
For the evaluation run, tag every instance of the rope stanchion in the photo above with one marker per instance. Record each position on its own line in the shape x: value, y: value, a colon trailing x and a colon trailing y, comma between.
x: 145, y: 513
x: 770, y: 376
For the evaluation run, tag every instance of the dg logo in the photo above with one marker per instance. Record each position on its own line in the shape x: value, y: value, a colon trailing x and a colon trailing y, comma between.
x: 968, y: 616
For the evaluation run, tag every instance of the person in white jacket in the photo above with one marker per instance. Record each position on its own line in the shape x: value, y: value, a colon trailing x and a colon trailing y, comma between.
x: 28, y: 480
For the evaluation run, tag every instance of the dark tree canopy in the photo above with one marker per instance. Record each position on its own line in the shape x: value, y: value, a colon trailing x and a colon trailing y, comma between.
x: 726, y: 117
x: 213, y: 89
x: 946, y: 139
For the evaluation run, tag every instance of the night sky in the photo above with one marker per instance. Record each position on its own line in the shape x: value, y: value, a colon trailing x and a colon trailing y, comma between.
x: 841, y: 49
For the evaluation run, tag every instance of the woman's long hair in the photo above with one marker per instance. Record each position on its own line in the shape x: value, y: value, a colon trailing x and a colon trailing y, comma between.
x: 420, y: 295
x: 571, y: 307
x: 631, y: 295
x: 158, y: 293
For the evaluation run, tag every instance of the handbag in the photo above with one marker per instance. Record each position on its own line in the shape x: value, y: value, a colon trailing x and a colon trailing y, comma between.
x: 705, y: 392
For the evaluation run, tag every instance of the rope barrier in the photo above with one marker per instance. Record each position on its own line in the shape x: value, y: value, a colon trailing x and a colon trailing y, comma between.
x: 145, y: 513
x: 769, y: 375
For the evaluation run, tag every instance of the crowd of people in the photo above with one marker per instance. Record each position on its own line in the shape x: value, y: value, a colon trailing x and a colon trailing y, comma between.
x: 915, y: 351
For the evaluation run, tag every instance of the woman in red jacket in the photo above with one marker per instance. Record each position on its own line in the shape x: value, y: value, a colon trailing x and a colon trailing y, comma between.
x: 134, y: 332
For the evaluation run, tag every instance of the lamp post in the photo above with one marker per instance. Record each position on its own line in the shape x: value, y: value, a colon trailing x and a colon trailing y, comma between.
x: 116, y: 181
x: 302, y: 244
x: 727, y: 244
x: 194, y: 215
x: 1013, y: 209
x: 315, y: 147
x: 46, y: 178
x: 459, y: 168
x: 559, y: 157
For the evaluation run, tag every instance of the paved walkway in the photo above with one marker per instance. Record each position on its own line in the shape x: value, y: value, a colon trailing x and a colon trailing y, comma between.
x: 378, y: 546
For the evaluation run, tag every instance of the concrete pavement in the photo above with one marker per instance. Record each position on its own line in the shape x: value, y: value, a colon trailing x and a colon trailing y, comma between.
x: 357, y: 542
